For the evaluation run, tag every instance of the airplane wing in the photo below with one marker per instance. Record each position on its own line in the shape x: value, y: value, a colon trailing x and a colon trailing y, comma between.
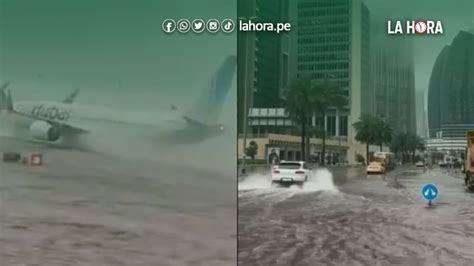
x: 65, y: 128
x: 193, y: 122
x: 70, y: 98
x: 70, y: 130
x: 198, y: 125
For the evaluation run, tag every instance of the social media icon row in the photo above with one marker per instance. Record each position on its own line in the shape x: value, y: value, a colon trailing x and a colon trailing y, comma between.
x: 198, y: 25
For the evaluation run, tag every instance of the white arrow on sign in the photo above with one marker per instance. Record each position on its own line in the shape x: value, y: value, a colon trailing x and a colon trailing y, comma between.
x: 433, y: 193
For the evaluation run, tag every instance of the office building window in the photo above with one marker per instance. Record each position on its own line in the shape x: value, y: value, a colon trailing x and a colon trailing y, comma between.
x: 319, y: 122
x: 331, y: 125
x: 343, y: 126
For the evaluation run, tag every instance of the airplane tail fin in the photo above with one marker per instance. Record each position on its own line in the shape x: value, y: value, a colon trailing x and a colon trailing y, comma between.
x: 208, y: 107
x: 6, y: 102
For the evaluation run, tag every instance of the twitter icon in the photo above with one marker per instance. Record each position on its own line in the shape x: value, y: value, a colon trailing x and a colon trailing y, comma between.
x: 198, y: 25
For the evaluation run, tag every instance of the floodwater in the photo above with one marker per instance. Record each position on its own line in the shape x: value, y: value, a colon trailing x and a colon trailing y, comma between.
x: 344, y: 217
x: 85, y: 208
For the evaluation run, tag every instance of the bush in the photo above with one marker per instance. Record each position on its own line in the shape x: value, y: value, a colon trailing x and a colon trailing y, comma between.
x: 360, y: 158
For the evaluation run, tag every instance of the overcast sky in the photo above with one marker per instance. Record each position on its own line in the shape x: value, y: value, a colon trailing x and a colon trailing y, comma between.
x: 456, y: 15
x: 112, y: 50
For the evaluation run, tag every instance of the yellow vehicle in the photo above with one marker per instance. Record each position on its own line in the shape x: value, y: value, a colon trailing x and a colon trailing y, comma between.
x: 387, y: 159
x: 375, y: 168
x: 469, y: 163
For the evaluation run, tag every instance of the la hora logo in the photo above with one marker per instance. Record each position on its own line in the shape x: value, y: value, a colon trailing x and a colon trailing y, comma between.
x: 420, y: 27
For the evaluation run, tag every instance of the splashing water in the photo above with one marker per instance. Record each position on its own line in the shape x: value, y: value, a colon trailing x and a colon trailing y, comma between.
x: 319, y: 180
x: 256, y: 181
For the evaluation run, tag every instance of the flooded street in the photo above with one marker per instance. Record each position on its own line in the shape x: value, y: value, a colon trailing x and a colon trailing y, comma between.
x: 83, y: 208
x: 360, y: 220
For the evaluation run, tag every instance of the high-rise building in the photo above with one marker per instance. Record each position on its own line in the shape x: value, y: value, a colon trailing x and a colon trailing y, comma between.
x: 333, y: 44
x: 263, y: 56
x: 451, y: 88
x: 245, y: 61
x: 391, y: 95
x: 421, y: 124
x: 271, y: 55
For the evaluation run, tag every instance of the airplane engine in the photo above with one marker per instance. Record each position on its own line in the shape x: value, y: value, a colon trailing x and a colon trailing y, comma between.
x: 44, y: 131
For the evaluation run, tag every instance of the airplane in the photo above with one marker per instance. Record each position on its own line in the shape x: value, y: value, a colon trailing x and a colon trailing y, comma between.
x: 63, y: 123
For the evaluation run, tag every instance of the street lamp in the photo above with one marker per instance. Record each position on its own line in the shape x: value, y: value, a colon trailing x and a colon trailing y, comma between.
x: 245, y: 122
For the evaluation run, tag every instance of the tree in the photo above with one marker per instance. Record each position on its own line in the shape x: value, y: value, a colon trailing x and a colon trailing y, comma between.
x: 407, y: 144
x: 307, y: 97
x: 299, y: 108
x: 411, y: 145
x: 360, y: 158
x: 252, y: 149
x: 366, y: 131
x: 397, y: 145
x: 323, y: 96
x: 317, y: 132
x: 383, y: 132
x: 419, y: 145
x: 310, y: 132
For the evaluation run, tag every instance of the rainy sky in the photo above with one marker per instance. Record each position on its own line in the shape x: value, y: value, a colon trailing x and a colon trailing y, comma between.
x: 114, y: 51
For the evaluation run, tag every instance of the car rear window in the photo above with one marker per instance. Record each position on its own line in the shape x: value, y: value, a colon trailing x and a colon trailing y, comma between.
x: 289, y: 166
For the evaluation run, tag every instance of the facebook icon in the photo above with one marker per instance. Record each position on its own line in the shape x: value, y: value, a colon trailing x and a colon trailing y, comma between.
x: 168, y: 25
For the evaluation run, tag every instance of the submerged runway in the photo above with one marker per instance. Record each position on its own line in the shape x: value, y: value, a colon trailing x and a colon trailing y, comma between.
x: 83, y: 208
x: 358, y: 220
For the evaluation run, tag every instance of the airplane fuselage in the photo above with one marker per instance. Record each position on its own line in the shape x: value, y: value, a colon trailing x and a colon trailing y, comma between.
x: 170, y: 127
x: 85, y: 116
x: 56, y: 121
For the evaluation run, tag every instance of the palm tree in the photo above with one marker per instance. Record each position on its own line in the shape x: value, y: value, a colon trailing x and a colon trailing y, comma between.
x: 366, y: 132
x: 411, y: 144
x: 396, y: 145
x: 383, y: 132
x: 317, y: 132
x: 299, y: 108
x: 407, y: 144
x: 416, y: 143
x: 420, y: 144
x: 325, y: 95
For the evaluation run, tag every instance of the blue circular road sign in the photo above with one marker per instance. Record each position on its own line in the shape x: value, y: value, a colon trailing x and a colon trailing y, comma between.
x: 429, y: 192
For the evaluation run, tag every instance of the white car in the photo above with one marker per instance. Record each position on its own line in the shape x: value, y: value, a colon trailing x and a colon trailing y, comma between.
x: 420, y: 164
x: 375, y: 168
x: 290, y: 172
